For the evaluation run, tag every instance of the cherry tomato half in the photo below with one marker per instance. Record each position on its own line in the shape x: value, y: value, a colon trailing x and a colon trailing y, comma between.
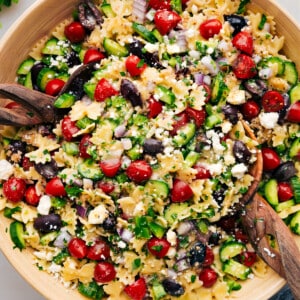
x: 208, y: 276
x: 250, y: 109
x: 31, y: 196
x: 54, y: 86
x: 134, y: 65
x: 179, y: 121
x: 139, y: 171
x: 248, y: 258
x: 209, y: 257
x: 104, y: 272
x: 136, y: 290
x: 55, y: 187
x: 104, y: 90
x: 198, y: 116
x: 284, y: 191
x: 154, y: 107
x: 166, y: 20
x: 243, y: 41
x: 209, y: 28
x: 293, y: 114
x: 181, y: 191
x: 75, y: 32
x: 271, y: 159
x: 84, y: 144
x: 14, y: 189
x: 272, y: 101
x: 68, y: 128
x: 158, y: 247
x: 106, y: 186
x: 244, y: 67
x: 26, y: 163
x: 93, y: 55
x: 110, y: 167
x: 240, y: 235
x: 160, y: 4
x: 99, y: 251
x: 77, y: 248
x: 202, y: 172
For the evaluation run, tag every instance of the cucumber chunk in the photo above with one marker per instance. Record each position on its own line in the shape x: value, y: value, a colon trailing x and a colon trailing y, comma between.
x: 52, y: 48
x: 295, y: 93
x: 236, y: 269
x: 273, y: 60
x: 290, y: 72
x: 231, y: 249
x: 157, y: 230
x: 175, y: 211
x: 184, y: 134
x: 65, y: 100
x: 107, y: 10
x: 111, y: 47
x: 295, y: 223
x: 219, y: 89
x: 284, y: 205
x: 45, y: 75
x: 48, y: 238
x: 165, y: 95
x: 16, y: 231
x: 144, y: 32
x: 25, y: 66
x: 157, y: 189
x: 295, y: 182
x: 89, y: 169
x: 271, y: 192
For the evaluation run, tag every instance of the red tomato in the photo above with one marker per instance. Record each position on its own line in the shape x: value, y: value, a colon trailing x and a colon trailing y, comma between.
x: 134, y: 65
x: 84, y: 144
x: 14, y: 189
x: 209, y: 257
x: 272, y: 101
x: 158, y: 247
x: 136, y: 290
x: 110, y: 167
x: 12, y: 105
x: 244, y: 67
x: 55, y: 187
x: 208, y: 276
x: 99, y: 251
x: 202, y: 172
x: 54, y: 86
x: 75, y: 32
x: 139, y: 171
x: 180, y: 120
x: 160, y: 4
x: 207, y: 90
x: 155, y: 108
x: 104, y: 272
x: 285, y: 191
x: 26, y: 163
x: 104, y: 90
x: 250, y: 110
x: 209, y: 28
x: 93, y: 55
x: 166, y: 20
x: 77, y: 248
x: 198, y: 116
x: 106, y: 186
x: 293, y: 114
x: 68, y: 128
x: 271, y: 159
x: 240, y: 235
x: 248, y: 258
x: 181, y: 191
x: 31, y: 196
x: 243, y: 41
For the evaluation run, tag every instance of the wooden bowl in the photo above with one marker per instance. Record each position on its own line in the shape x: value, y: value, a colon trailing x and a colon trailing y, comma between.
x: 14, y: 47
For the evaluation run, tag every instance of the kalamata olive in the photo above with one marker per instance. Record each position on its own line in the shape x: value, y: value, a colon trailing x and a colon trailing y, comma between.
x: 214, y: 238
x: 48, y: 223
x: 231, y: 113
x: 73, y: 59
x: 256, y: 87
x: 47, y: 170
x: 237, y: 22
x: 130, y: 92
x: 219, y: 195
x: 35, y: 70
x: 16, y: 146
x: 109, y: 223
x: 197, y: 253
x: 89, y: 15
x: 285, y: 171
x: 45, y: 129
x: 241, y: 153
x: 172, y: 287
x: 153, y: 146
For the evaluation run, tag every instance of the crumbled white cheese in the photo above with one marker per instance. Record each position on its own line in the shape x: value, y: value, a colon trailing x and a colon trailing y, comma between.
x: 122, y: 244
x: 173, y: 48
x: 215, y: 169
x: 139, y: 209
x: 44, y: 205
x: 226, y: 126
x: 171, y: 237
x: 268, y: 120
x: 236, y: 97
x: 172, y: 252
x: 215, y: 138
x: 6, y: 169
x: 98, y: 215
x: 239, y: 170
x: 152, y: 47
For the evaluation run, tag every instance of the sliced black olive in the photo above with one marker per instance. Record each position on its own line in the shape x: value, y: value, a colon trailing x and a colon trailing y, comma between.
x: 256, y: 87
x: 172, y: 287
x: 130, y: 92
x: 16, y: 146
x: 73, y: 59
x: 153, y: 146
x: 197, y: 253
x: 219, y: 195
x: 231, y: 113
x: 241, y: 153
x: 214, y: 238
x: 47, y: 170
x: 237, y: 22
x: 109, y: 223
x: 48, y: 223
x: 35, y: 70
x: 89, y: 15
x: 285, y: 171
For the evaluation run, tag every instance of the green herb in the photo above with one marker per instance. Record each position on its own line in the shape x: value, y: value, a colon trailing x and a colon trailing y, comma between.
x: 262, y: 22
x: 136, y: 264
x: 91, y: 290
x: 73, y: 191
x: 242, y: 6
x: 7, y: 3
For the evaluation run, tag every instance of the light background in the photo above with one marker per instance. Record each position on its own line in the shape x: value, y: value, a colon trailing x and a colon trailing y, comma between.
x: 12, y: 285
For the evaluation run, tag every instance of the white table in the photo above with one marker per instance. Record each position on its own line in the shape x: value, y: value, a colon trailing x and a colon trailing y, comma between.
x: 12, y: 286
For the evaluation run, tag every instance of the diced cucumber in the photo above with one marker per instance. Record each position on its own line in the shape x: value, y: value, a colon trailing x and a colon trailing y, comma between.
x: 48, y: 238
x: 113, y: 48
x: 107, y: 10
x: 91, y: 290
x: 16, y: 231
x: 212, y: 120
x: 61, y: 257
x: 191, y: 158
x: 157, y: 230
x: 271, y: 192
x: 236, y: 269
x: 176, y: 5
x: 290, y: 72
x: 184, y: 134
x: 295, y: 93
x: 28, y: 81
x: 284, y: 205
x: 84, y: 122
x: 158, y: 291
x: 89, y: 89
x: 89, y: 169
x: 44, y: 76
x: 144, y: 32
x: 219, y: 89
x: 232, y: 284
x: 157, y: 35
x: 165, y: 95
x: 52, y: 48
x: 231, y: 249
x: 8, y: 212
x: 157, y: 188
x: 295, y: 182
x: 25, y: 66
x: 135, y: 152
x: 71, y: 148
x: 295, y: 223
x: 65, y: 100
x: 273, y: 60
x: 175, y: 211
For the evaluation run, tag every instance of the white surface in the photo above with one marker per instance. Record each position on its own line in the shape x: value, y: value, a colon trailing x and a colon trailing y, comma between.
x: 12, y: 286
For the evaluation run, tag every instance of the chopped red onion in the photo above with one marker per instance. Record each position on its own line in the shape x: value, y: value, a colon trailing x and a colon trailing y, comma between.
x: 210, y: 64
x: 125, y: 162
x: 185, y: 227
x: 199, y: 77
x: 120, y: 131
x: 139, y: 10
x: 171, y: 273
x: 180, y: 37
x: 127, y: 144
x: 125, y: 234
x: 62, y: 239
x: 265, y: 73
x: 207, y: 80
x: 81, y: 211
x: 86, y: 100
x: 182, y: 265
